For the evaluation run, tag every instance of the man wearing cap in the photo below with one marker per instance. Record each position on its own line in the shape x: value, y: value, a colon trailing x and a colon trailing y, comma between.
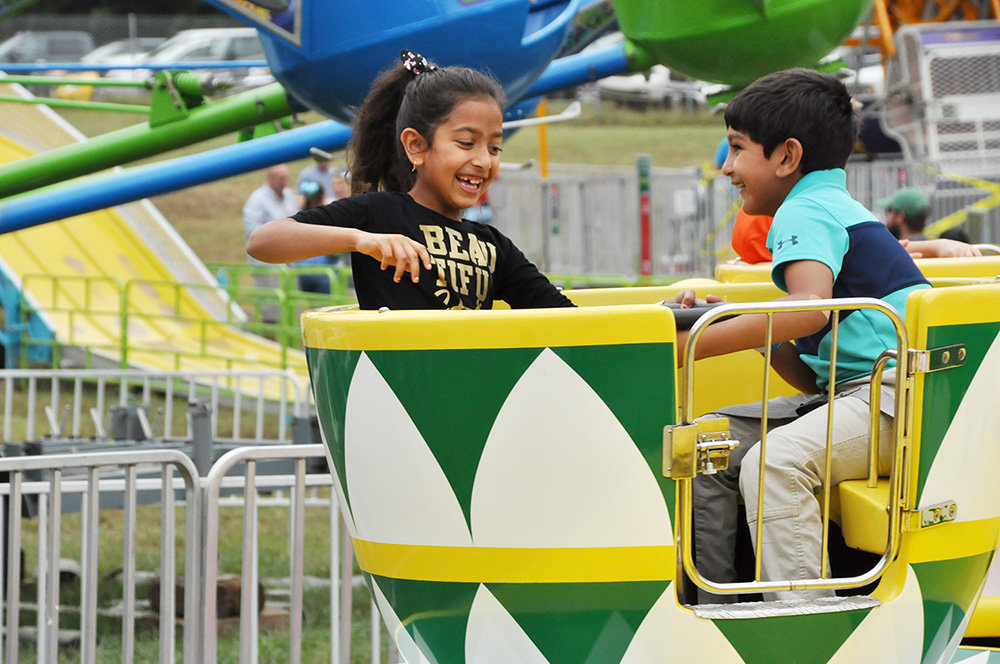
x: 906, y: 213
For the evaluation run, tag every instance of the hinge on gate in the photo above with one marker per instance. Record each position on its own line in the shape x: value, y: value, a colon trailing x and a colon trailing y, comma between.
x: 936, y: 359
x: 931, y: 515
x: 700, y: 447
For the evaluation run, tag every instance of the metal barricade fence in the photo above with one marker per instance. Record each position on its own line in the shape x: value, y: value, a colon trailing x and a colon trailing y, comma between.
x: 249, y: 577
x: 50, y: 607
x: 586, y: 220
x: 88, y: 406
x: 341, y: 560
x: 97, y: 476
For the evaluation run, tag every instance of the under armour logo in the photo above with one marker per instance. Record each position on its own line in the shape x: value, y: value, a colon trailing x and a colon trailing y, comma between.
x: 793, y: 240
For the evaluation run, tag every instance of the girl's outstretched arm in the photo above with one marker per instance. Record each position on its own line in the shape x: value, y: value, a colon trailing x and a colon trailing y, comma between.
x: 286, y: 241
x: 940, y: 248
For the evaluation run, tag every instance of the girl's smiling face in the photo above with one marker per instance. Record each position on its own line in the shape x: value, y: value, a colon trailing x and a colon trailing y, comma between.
x: 462, y: 159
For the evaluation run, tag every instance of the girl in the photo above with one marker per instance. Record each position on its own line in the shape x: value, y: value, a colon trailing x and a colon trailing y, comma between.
x: 426, y: 145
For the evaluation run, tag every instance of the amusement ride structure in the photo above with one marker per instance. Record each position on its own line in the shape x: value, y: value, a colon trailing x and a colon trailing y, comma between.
x: 530, y: 529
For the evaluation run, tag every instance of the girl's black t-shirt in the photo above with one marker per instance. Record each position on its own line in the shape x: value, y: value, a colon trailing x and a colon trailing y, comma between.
x: 473, y: 264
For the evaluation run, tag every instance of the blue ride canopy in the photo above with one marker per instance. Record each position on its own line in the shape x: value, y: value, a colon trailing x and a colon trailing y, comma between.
x: 327, y: 52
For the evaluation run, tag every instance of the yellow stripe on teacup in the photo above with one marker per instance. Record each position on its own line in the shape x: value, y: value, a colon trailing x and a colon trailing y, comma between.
x: 523, y: 328
x: 948, y: 541
x: 513, y: 565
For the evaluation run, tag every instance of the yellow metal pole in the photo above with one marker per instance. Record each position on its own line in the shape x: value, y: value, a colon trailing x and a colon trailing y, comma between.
x: 543, y: 139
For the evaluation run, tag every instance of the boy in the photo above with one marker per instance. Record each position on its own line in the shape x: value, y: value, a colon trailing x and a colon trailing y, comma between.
x: 790, y: 135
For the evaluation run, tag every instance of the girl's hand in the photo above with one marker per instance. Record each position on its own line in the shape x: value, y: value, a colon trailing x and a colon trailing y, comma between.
x: 940, y: 248
x: 406, y: 254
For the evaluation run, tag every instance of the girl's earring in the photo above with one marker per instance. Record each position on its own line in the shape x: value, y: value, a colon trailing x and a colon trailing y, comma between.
x: 413, y: 167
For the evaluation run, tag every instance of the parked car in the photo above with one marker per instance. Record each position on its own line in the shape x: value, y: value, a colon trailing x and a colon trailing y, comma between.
x: 659, y: 86
x: 207, y: 45
x: 43, y: 47
x: 121, y: 52
x: 46, y: 46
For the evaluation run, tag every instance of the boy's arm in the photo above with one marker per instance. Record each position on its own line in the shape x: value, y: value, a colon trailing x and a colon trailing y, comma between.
x: 786, y: 361
x: 805, y: 280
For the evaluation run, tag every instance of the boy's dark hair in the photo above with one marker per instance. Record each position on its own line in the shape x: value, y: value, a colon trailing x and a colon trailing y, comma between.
x: 803, y: 104
x: 399, y: 99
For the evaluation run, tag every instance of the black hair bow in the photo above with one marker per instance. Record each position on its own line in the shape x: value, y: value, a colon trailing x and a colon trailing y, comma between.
x: 415, y: 63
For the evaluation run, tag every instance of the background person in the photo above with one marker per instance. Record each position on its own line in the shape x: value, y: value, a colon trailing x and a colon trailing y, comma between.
x: 341, y: 184
x: 318, y: 172
x: 312, y: 196
x: 906, y: 213
x: 270, y: 199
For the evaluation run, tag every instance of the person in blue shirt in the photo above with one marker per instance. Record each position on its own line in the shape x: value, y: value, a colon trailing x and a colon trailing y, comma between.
x: 790, y: 134
x: 721, y: 152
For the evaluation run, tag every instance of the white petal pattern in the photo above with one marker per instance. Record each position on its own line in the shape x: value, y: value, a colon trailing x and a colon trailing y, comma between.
x: 891, y: 633
x: 559, y: 470
x: 964, y: 469
x: 493, y: 637
x: 404, y: 642
x: 669, y: 629
x: 399, y: 494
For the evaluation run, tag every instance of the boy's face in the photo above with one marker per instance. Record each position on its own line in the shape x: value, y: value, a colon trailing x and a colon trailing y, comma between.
x: 763, y: 181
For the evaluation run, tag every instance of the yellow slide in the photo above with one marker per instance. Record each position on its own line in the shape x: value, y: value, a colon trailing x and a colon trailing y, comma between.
x: 75, y: 272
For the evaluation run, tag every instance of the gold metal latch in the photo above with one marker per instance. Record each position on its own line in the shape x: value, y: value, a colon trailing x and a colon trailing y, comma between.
x: 937, y: 359
x: 700, y: 447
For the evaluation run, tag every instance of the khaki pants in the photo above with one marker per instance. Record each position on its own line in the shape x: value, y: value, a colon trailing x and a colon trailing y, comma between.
x: 795, y: 469
x: 796, y: 449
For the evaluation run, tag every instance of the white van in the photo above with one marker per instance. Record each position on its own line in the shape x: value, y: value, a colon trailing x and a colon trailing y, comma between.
x: 208, y: 45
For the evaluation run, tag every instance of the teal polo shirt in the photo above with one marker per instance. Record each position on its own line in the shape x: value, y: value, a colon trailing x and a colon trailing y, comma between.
x: 820, y: 221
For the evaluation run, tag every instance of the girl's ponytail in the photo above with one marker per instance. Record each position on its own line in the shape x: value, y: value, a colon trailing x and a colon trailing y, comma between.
x: 374, y: 158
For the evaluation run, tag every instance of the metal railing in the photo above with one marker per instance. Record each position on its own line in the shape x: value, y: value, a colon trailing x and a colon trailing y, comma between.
x: 585, y: 220
x: 124, y: 476
x: 50, y: 493
x: 87, y: 405
x: 339, y: 552
x: 897, y: 471
x: 101, y: 314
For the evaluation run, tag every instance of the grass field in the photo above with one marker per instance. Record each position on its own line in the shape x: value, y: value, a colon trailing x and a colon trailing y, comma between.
x: 209, y: 217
